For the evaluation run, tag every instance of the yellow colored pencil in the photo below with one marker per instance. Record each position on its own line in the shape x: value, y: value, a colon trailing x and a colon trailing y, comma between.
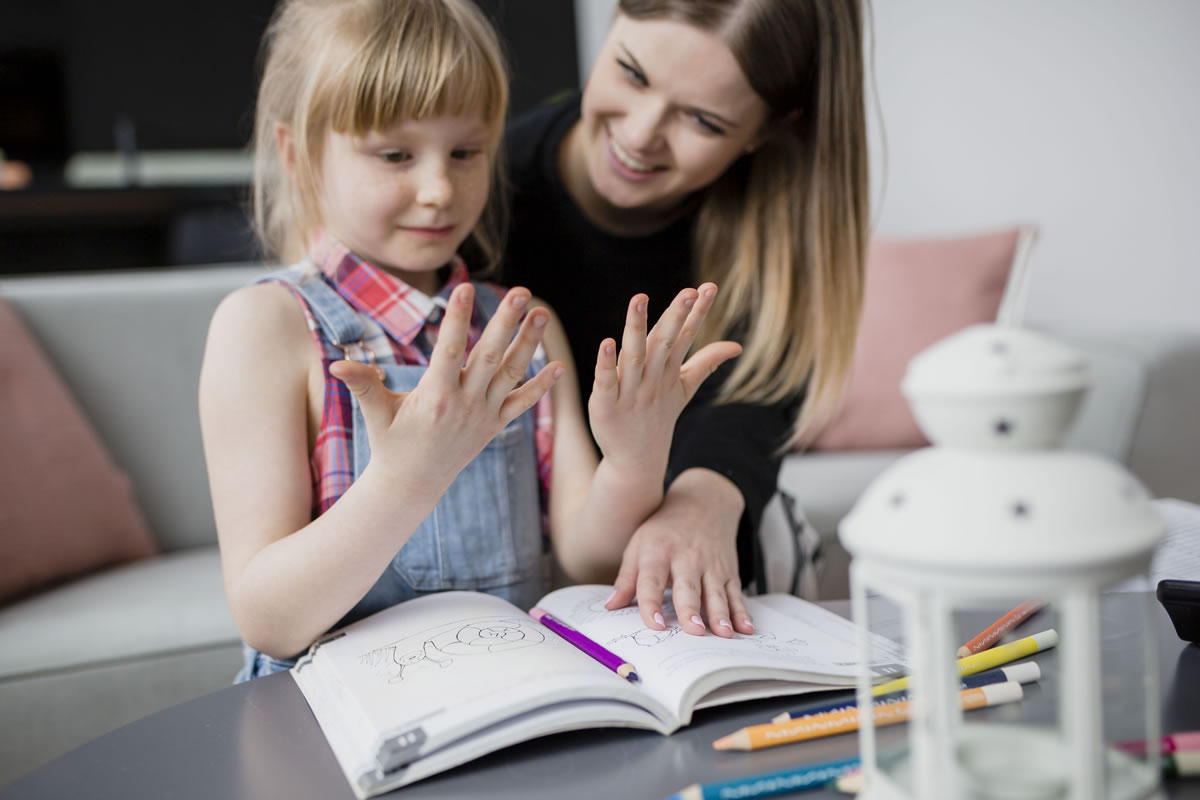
x: 1001, y: 654
x: 756, y: 737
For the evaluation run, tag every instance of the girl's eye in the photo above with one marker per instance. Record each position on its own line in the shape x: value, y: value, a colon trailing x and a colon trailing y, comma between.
x: 632, y: 73
x: 706, y: 126
x: 395, y: 156
x: 464, y: 153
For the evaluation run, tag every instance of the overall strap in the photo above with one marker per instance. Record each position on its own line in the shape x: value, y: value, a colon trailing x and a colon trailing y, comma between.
x: 339, y: 322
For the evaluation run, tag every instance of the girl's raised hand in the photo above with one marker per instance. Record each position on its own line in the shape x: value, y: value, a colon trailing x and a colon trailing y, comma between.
x: 638, y: 395
x: 457, y: 407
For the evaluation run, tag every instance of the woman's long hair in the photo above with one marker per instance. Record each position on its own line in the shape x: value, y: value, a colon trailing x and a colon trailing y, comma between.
x: 783, y: 231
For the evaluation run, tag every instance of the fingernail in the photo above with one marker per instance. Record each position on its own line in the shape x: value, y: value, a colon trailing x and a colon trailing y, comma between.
x: 612, y: 594
x: 696, y: 619
x: 659, y: 619
x: 691, y: 301
x: 558, y: 374
x: 725, y: 624
x: 748, y: 623
x: 519, y: 301
x: 641, y: 308
x: 540, y: 321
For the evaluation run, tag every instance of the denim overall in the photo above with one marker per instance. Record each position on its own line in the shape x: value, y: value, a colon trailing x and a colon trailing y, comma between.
x: 485, y: 534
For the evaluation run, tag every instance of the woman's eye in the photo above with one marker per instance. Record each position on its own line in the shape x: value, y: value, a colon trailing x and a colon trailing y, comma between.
x: 395, y: 156
x: 706, y: 126
x: 632, y: 73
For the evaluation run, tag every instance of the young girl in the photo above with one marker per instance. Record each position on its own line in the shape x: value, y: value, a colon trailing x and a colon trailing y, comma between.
x: 367, y: 414
x: 724, y: 141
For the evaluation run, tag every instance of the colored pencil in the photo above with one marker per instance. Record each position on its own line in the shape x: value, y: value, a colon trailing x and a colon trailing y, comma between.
x: 756, y: 737
x: 768, y: 784
x: 1171, y: 743
x: 992, y: 633
x: 596, y: 651
x: 1025, y: 672
x: 1001, y: 654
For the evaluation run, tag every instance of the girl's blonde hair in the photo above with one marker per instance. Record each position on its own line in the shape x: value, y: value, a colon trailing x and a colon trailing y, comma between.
x: 783, y: 231
x: 355, y: 66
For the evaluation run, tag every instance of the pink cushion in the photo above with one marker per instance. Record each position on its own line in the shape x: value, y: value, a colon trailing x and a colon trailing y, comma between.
x: 917, y: 292
x: 65, y: 508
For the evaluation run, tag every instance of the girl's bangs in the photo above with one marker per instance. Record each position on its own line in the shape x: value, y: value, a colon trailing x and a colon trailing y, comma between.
x: 436, y: 73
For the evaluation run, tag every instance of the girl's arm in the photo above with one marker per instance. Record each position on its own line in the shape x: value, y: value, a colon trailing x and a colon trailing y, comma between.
x: 289, y: 578
x: 637, y: 396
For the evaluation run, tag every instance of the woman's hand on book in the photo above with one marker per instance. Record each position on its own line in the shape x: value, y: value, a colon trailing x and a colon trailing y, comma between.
x: 461, y: 402
x: 638, y: 394
x: 690, y: 545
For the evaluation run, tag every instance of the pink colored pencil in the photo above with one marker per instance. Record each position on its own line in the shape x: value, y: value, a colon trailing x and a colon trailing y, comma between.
x: 1184, y: 741
x: 992, y: 633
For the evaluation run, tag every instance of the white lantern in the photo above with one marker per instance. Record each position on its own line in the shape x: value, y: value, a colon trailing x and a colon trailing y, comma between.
x: 994, y: 514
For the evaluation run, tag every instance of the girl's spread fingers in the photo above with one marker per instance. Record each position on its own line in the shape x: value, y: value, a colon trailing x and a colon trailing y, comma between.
x: 526, y: 396
x: 705, y: 295
x: 662, y: 342
x: 446, y: 361
x: 489, y: 353
x: 604, y: 386
x: 704, y: 362
x: 514, y: 364
x: 632, y: 358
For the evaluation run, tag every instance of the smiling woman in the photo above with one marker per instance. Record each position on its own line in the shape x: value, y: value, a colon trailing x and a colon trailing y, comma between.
x: 720, y: 140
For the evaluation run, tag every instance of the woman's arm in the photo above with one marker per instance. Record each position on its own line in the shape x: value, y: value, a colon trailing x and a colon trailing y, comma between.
x: 288, y: 578
x: 723, y: 470
x: 636, y: 399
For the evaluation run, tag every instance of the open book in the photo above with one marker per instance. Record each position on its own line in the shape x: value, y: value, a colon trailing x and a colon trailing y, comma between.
x: 434, y: 682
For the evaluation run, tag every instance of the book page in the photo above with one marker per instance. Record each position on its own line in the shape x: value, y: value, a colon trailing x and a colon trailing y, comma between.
x: 816, y: 648
x: 1177, y: 556
x: 429, y: 671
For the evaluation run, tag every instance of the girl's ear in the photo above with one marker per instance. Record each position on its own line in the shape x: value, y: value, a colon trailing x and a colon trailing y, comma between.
x: 285, y: 147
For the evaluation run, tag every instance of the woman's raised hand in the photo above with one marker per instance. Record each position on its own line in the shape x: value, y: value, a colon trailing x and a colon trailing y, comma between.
x: 457, y: 407
x: 638, y: 395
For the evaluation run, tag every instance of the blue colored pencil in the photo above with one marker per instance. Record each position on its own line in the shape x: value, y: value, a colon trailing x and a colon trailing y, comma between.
x: 1021, y: 673
x: 769, y: 784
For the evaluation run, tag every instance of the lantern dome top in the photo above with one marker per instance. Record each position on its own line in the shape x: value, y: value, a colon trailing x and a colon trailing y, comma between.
x: 996, y: 493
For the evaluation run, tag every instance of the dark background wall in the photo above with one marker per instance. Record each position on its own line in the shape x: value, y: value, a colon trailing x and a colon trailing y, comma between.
x: 184, y: 72
x: 181, y: 75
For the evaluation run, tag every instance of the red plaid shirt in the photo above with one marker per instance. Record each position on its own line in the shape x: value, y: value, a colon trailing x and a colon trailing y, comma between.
x: 404, y: 314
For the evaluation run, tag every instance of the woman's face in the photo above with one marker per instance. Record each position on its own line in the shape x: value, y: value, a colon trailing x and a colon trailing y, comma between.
x: 666, y: 110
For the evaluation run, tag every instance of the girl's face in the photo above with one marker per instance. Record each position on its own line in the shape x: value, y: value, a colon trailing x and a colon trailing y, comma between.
x: 666, y: 110
x: 405, y: 198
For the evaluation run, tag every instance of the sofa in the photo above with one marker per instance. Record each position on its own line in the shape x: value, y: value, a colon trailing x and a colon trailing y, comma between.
x: 1140, y: 410
x: 94, y: 652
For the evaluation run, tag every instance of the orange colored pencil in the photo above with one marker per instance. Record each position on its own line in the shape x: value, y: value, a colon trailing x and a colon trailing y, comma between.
x: 756, y: 737
x: 992, y: 633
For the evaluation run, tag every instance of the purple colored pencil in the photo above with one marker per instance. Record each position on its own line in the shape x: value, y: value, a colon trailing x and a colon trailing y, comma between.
x: 604, y: 656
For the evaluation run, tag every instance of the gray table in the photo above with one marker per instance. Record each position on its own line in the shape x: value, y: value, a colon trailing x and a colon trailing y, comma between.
x: 259, y: 740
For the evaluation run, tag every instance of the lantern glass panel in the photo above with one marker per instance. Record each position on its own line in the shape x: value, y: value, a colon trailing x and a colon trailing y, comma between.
x: 886, y: 623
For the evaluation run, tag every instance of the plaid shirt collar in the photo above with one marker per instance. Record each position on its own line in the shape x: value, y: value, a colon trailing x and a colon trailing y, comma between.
x: 400, y: 309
